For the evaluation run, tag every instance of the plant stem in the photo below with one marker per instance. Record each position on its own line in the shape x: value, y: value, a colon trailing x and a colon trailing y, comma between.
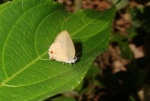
x: 78, y: 5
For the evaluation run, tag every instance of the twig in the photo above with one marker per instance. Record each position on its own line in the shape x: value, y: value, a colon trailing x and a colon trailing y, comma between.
x: 78, y: 5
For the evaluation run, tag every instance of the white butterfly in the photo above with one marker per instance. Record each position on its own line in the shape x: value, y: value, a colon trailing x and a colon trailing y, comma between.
x: 62, y: 49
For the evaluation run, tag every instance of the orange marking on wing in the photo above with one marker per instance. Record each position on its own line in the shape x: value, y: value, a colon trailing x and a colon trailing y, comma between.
x: 51, y: 52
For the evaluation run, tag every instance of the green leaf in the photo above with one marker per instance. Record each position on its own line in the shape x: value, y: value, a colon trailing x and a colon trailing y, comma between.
x: 121, y: 4
x: 92, y: 72
x: 5, y: 5
x: 27, y: 29
x: 64, y: 98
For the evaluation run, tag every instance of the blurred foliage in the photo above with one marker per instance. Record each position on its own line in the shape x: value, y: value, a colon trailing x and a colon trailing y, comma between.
x: 142, y: 16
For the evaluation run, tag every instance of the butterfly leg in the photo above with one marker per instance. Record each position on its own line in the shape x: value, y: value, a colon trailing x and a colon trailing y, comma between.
x: 74, y: 64
x: 70, y: 64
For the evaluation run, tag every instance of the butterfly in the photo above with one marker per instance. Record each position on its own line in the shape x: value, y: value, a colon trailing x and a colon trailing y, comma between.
x: 62, y: 49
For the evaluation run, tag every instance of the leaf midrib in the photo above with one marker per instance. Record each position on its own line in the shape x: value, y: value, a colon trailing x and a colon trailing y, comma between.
x: 11, y: 77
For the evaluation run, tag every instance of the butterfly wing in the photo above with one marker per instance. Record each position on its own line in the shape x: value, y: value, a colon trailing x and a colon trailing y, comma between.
x: 56, y: 52
x: 62, y: 48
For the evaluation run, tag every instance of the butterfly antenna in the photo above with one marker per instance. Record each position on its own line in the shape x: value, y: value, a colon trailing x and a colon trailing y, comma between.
x: 79, y: 53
